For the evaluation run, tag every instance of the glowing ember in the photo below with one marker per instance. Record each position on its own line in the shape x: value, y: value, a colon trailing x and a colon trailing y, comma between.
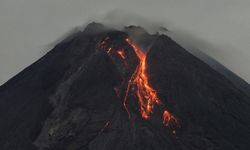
x: 121, y: 53
x: 109, y: 50
x: 167, y: 117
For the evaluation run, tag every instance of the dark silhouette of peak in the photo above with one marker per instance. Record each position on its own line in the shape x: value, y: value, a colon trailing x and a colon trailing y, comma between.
x: 94, y: 28
x: 140, y: 36
x: 73, y: 98
x: 136, y: 30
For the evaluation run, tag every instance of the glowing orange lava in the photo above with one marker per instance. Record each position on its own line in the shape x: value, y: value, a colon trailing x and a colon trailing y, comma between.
x: 121, y: 53
x: 167, y: 117
x: 147, y: 95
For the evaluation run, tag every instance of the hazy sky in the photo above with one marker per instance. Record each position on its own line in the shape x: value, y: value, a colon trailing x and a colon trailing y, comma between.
x: 220, y: 28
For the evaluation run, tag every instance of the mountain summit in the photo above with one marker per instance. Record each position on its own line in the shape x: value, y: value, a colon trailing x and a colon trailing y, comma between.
x: 104, y: 89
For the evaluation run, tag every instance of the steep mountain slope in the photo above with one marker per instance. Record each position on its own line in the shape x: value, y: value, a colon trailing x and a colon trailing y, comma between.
x: 236, y: 80
x: 212, y: 107
x: 73, y: 98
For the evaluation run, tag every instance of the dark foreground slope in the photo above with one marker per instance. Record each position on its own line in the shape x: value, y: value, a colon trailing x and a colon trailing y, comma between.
x: 72, y: 99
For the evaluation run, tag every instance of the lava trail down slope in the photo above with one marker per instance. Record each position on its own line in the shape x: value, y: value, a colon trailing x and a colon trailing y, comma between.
x: 146, y: 94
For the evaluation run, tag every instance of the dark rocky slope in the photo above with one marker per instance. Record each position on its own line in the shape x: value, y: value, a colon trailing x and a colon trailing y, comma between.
x: 214, y: 112
x: 236, y: 80
x: 72, y: 99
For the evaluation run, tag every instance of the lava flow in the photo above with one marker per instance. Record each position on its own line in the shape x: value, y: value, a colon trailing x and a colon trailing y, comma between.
x: 147, y: 95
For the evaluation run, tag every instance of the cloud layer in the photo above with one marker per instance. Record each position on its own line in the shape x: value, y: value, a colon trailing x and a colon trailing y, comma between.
x: 220, y: 28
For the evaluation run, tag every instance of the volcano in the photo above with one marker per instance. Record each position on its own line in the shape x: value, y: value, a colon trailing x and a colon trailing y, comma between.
x: 107, y: 89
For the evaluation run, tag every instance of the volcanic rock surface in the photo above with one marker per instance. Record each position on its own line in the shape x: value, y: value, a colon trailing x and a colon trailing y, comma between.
x: 73, y: 98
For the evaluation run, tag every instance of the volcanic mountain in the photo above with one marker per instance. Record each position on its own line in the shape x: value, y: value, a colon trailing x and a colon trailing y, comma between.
x: 105, y: 89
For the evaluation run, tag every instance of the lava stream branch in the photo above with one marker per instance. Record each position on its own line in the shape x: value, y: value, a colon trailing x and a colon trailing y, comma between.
x: 147, y: 95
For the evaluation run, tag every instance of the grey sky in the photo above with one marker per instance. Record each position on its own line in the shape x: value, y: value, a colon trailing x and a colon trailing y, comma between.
x: 220, y: 28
